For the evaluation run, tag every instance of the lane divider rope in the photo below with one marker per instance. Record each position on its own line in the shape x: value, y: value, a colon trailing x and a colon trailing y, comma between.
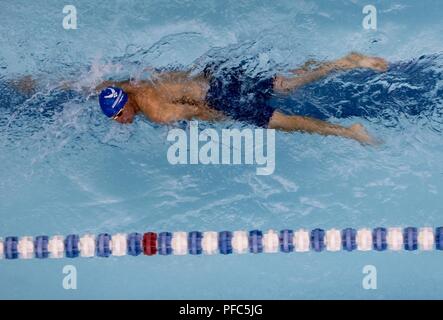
x: 224, y: 242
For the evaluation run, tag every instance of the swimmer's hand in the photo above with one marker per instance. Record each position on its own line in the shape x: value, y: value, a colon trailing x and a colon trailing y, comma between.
x: 357, y: 60
x: 25, y: 85
x: 359, y: 133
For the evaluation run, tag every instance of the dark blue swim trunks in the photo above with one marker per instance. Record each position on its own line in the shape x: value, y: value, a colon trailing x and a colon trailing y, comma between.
x: 240, y: 96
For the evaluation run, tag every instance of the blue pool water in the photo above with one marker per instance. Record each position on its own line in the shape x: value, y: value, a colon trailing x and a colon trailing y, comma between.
x: 67, y: 169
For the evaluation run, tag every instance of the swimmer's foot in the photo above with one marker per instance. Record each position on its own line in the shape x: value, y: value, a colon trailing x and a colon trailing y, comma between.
x: 357, y: 60
x: 359, y: 133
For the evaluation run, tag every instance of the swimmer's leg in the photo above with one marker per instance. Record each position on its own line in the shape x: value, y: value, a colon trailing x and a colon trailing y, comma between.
x: 307, y: 74
x: 284, y: 122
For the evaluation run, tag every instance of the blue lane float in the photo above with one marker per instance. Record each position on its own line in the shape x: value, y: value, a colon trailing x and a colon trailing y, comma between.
x: 439, y: 238
x: 71, y: 246
x: 255, y: 241
x: 41, y: 247
x: 104, y: 249
x: 317, y: 240
x: 379, y: 239
x: 225, y: 242
x: 348, y: 237
x: 164, y: 243
x: 134, y: 244
x: 195, y: 242
x: 286, y: 241
x: 10, y: 248
x: 410, y: 239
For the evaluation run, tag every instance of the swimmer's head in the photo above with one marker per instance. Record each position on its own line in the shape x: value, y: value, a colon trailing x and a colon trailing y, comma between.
x: 112, y: 101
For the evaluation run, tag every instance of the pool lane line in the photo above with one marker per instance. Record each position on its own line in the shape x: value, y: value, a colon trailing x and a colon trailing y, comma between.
x: 225, y: 242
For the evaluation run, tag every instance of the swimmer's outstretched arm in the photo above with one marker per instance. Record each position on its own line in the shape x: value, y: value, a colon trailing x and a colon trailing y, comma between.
x: 305, y: 74
x: 284, y: 122
x: 26, y: 85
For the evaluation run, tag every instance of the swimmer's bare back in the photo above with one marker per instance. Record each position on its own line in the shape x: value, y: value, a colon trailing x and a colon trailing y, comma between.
x: 168, y: 97
x: 173, y: 96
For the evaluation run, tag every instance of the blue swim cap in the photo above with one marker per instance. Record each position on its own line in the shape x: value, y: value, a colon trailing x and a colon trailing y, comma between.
x: 112, y: 100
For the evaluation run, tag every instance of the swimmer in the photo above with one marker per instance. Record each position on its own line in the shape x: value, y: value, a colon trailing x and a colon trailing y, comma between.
x: 217, y: 94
